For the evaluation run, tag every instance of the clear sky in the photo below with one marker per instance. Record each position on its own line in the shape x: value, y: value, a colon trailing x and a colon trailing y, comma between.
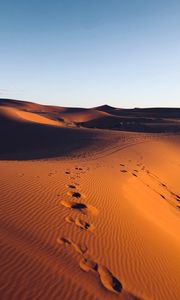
x: 90, y: 52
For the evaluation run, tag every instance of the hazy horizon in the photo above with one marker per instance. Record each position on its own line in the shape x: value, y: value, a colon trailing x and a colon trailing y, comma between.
x: 85, y: 54
x: 88, y: 107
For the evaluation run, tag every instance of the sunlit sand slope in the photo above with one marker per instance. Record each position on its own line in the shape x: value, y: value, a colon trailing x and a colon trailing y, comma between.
x: 99, y: 223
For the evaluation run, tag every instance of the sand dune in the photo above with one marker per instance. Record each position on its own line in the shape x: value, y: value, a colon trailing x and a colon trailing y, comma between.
x: 153, y: 120
x: 87, y: 213
x: 17, y: 115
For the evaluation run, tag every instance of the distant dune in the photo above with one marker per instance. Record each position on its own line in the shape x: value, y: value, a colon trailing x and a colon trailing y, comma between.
x: 106, y: 117
x: 24, y: 127
x: 90, y: 202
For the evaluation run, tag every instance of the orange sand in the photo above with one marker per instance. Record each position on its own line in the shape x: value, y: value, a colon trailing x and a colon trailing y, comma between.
x: 100, y: 221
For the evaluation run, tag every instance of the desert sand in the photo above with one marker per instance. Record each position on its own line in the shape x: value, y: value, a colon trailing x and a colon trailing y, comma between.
x: 90, y: 202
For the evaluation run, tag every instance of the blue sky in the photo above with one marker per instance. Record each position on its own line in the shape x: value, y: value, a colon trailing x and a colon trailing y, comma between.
x: 85, y: 53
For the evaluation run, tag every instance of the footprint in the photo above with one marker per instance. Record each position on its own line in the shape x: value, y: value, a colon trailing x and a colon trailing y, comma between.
x: 67, y: 172
x: 87, y: 264
x: 163, y: 184
x: 71, y: 186
x: 75, y: 194
x: 108, y: 280
x: 122, y: 165
x: 123, y: 171
x: 134, y: 174
x: 175, y: 195
x: 81, y: 224
x: 21, y: 174
x: 81, y: 207
x: 78, y: 248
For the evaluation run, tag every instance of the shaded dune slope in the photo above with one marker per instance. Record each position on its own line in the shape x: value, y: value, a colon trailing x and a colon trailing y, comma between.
x: 32, y: 140
x: 32, y: 131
